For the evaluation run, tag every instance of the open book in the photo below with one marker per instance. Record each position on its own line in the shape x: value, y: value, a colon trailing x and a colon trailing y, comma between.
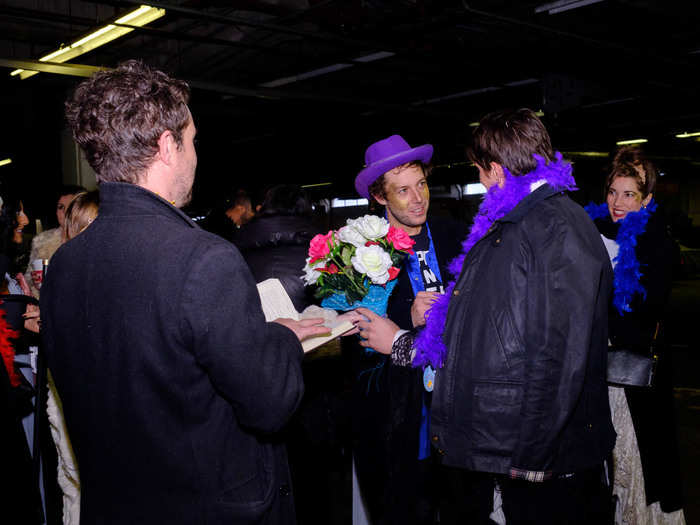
x: 276, y: 303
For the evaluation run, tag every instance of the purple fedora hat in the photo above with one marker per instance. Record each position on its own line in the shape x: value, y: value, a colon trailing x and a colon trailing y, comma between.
x: 385, y: 155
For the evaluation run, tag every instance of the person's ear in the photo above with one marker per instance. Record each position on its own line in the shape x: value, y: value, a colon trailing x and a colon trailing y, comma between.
x: 646, y: 200
x: 381, y: 200
x: 167, y: 147
x: 496, y: 173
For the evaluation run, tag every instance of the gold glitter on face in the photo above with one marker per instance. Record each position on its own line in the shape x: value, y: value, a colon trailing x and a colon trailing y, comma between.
x: 407, y: 198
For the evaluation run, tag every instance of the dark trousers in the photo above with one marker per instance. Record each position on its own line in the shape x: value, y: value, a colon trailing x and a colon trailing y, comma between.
x: 466, y: 496
x: 580, y: 498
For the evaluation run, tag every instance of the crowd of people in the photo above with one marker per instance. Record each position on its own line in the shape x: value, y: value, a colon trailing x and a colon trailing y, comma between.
x: 486, y: 398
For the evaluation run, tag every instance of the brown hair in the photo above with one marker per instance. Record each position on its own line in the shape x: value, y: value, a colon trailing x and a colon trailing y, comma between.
x: 378, y: 187
x: 630, y: 161
x: 510, y: 138
x: 81, y: 211
x: 118, y: 116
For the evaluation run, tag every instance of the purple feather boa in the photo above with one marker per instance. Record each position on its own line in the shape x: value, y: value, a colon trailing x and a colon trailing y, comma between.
x: 498, y: 202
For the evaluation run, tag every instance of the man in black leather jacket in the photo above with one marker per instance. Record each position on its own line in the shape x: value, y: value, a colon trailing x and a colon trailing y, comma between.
x: 522, y: 393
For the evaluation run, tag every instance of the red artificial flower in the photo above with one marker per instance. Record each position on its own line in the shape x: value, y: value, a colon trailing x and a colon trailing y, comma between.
x: 400, y: 239
x: 393, y: 272
x: 319, y: 246
x: 331, y: 268
x: 370, y: 243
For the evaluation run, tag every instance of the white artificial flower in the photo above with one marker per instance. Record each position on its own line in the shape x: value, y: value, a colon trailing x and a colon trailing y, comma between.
x: 371, y: 227
x: 350, y: 235
x: 310, y: 275
x: 373, y: 261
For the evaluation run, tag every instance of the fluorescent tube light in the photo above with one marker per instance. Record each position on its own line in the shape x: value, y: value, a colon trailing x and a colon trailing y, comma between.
x: 602, y: 154
x: 5, y: 162
x: 316, y: 185
x: 139, y: 17
x: 304, y: 76
x: 564, y: 5
x: 687, y: 135
x: 374, y: 56
x: 631, y: 141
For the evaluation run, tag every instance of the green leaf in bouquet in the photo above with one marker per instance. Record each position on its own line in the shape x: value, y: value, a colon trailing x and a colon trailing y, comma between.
x: 353, y: 295
x: 346, y: 255
x: 397, y: 258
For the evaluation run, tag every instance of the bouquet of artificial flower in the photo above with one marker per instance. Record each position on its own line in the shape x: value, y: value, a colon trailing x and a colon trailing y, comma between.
x: 348, y: 262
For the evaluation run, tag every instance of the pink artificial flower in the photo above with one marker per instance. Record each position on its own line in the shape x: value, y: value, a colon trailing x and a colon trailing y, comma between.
x: 393, y: 272
x: 400, y: 239
x: 319, y: 246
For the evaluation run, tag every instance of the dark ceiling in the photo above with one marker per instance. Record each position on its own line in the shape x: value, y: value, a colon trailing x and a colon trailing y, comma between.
x: 294, y: 90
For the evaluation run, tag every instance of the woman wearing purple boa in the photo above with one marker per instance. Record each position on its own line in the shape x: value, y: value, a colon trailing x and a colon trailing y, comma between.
x: 518, y: 341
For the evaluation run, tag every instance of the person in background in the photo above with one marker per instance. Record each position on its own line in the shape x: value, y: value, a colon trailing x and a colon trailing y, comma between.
x: 13, y: 220
x: 519, y: 340
x: 646, y: 465
x: 226, y: 219
x: 45, y: 244
x: 395, y: 469
x: 275, y: 245
x: 79, y: 214
x: 173, y: 384
x: 19, y: 493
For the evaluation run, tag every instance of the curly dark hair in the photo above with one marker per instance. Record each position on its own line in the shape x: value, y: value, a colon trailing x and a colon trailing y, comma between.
x: 18, y: 254
x: 118, y: 116
x: 510, y: 138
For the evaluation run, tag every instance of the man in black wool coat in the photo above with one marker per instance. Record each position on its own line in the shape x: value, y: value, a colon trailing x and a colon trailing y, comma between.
x: 173, y: 384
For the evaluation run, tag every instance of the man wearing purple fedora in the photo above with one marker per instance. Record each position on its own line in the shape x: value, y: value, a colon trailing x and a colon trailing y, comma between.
x: 391, y: 404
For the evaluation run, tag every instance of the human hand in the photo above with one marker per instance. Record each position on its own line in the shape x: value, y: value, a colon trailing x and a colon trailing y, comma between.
x: 376, y: 332
x: 305, y: 328
x: 36, y: 278
x: 353, y: 316
x: 32, y: 322
x: 421, y: 303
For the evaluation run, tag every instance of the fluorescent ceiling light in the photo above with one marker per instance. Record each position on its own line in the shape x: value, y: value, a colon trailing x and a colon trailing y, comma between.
x: 374, y: 56
x: 325, y: 70
x: 522, y: 82
x: 5, y: 162
x: 564, y: 5
x: 474, y: 189
x: 687, y: 135
x: 631, y: 141
x: 586, y: 153
x: 139, y: 17
x: 316, y: 185
x: 305, y: 76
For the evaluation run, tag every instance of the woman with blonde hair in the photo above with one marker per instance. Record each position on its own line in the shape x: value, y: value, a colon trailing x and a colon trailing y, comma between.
x: 80, y: 213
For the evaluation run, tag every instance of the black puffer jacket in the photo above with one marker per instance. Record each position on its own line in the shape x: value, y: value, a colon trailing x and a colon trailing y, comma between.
x: 524, y: 381
x: 277, y: 246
